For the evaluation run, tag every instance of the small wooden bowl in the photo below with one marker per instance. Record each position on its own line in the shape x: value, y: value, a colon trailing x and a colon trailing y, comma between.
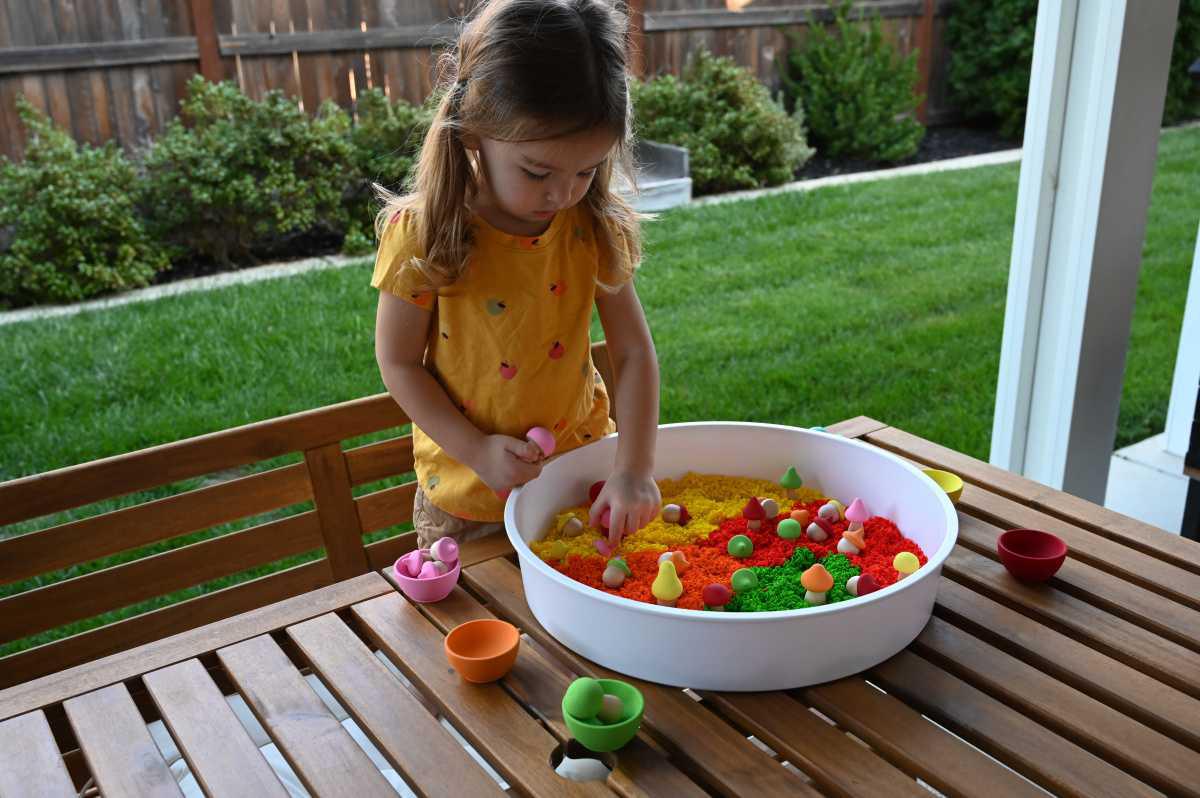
x: 1030, y: 554
x: 951, y: 483
x: 482, y: 650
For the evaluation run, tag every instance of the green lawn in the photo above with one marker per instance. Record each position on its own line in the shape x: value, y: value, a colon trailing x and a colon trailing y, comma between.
x: 884, y: 299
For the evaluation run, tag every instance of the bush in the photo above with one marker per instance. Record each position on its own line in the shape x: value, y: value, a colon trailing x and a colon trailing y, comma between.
x: 736, y: 135
x: 857, y: 90
x: 991, y: 53
x: 385, y: 142
x: 241, y: 174
x: 69, y: 228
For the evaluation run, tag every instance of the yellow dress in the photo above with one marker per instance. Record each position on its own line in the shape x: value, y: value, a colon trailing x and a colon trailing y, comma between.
x: 510, y: 343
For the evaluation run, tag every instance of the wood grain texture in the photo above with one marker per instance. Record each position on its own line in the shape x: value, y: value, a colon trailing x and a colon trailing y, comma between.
x: 117, y: 745
x: 340, y: 527
x: 30, y: 763
x: 218, y: 750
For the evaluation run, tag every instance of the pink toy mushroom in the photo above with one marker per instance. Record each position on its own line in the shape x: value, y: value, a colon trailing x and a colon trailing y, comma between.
x: 857, y: 514
x: 543, y: 439
x: 753, y: 513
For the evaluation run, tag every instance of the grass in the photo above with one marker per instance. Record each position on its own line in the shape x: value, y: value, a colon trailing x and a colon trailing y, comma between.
x: 884, y: 299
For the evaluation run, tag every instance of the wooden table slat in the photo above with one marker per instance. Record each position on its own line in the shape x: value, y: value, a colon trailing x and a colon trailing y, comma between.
x: 1149, y: 755
x: 1116, y: 684
x: 1032, y: 750
x: 409, y: 736
x: 914, y: 744
x: 218, y: 750
x: 1163, y: 659
x: 538, y: 681
x: 499, y: 728
x: 857, y: 427
x: 319, y: 749
x: 1112, y: 594
x: 117, y: 745
x: 1127, y: 531
x: 728, y: 761
x: 1138, y: 567
x: 837, y: 764
x: 30, y: 763
x: 115, y: 668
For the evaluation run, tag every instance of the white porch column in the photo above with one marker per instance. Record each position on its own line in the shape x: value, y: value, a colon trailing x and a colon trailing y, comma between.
x: 1091, y: 140
x: 1182, y: 409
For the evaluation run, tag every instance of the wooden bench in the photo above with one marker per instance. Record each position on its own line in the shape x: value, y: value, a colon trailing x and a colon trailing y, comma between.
x: 326, y: 476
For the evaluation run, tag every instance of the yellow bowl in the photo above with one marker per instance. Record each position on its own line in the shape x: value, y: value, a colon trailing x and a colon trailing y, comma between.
x: 951, y: 483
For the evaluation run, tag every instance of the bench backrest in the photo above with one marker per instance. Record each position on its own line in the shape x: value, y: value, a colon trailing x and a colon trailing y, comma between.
x: 336, y: 525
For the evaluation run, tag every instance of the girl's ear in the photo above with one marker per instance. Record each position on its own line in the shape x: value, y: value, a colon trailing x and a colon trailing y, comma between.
x: 470, y: 141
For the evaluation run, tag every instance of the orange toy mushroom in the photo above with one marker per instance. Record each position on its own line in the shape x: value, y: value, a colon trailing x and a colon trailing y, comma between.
x: 817, y: 581
x: 852, y: 542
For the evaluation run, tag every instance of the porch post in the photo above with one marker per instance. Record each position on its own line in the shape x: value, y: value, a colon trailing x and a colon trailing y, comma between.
x: 1091, y: 139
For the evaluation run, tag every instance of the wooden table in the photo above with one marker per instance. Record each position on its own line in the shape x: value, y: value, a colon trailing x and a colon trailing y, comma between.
x: 1087, y: 686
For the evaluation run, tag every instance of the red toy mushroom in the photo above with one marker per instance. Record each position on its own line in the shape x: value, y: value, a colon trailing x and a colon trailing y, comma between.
x: 753, y: 513
x: 716, y: 596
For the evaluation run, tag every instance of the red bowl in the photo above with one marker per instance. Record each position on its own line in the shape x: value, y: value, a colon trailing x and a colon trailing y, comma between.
x: 1030, y: 554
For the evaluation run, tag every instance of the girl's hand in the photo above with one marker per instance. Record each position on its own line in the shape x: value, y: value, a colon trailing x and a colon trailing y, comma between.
x: 632, y: 499
x: 503, y: 462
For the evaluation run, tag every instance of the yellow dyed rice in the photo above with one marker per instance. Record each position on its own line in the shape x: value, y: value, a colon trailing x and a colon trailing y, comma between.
x: 709, y: 498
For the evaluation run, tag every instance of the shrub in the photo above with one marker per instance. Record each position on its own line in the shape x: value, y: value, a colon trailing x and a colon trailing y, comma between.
x: 858, y: 92
x: 737, y: 136
x: 385, y: 142
x: 991, y: 53
x: 69, y: 227
x: 241, y: 174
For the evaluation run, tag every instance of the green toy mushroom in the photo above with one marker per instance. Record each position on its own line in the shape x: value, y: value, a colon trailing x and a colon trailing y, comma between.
x: 791, y: 482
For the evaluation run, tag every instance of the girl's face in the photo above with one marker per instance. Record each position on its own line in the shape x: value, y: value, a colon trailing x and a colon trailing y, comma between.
x: 526, y: 182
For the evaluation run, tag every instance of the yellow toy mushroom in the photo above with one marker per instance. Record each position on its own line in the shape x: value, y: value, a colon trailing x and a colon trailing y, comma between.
x: 667, y: 588
x: 906, y: 564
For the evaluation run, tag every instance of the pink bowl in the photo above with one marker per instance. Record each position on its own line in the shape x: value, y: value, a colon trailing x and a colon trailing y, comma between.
x: 1030, y: 554
x: 426, y: 591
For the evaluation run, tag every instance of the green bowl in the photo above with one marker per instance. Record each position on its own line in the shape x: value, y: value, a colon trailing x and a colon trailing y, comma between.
x: 604, y: 737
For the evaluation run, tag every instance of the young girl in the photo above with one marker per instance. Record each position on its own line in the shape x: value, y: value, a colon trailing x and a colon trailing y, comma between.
x: 489, y: 268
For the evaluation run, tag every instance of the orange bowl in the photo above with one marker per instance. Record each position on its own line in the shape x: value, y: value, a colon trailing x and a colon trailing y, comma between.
x: 482, y: 650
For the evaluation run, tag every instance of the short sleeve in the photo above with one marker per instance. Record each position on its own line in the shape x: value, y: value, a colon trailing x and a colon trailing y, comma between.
x: 394, y: 268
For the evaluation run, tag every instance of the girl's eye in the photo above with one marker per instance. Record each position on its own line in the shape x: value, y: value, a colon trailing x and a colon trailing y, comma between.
x: 588, y: 173
x: 533, y: 176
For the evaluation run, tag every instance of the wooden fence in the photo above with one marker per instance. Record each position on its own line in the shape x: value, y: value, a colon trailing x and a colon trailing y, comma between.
x: 117, y: 69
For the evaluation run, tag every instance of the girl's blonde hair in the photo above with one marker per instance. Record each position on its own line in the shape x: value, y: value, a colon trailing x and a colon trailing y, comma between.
x: 523, y: 70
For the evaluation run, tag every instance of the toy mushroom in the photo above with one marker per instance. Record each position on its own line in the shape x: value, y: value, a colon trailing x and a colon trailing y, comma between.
x: 770, y: 507
x: 671, y: 513
x: 906, y: 564
x: 743, y: 579
x: 789, y: 529
x: 594, y: 491
x: 431, y: 569
x: 543, y: 439
x: 753, y: 513
x: 800, y: 516
x: 819, y: 530
x: 829, y: 512
x: 677, y: 557
x: 615, y: 572
x: 852, y: 542
x: 571, y: 527
x: 684, y: 515
x: 557, y: 551
x: 716, y: 596
x: 445, y: 550
x: 857, y: 514
x: 740, y: 546
x: 816, y: 581
x: 410, y: 564
x: 861, y: 585
x: 791, y: 482
x: 666, y: 587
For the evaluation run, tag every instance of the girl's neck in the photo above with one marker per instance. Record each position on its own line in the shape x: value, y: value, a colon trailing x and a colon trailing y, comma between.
x: 503, y: 221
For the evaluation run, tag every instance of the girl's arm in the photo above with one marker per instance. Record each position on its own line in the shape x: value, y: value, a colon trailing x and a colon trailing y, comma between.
x: 631, y: 493
x: 401, y: 334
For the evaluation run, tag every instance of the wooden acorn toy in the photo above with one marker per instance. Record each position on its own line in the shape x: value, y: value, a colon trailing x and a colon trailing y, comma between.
x: 615, y: 572
x: 817, y: 581
x: 852, y: 542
